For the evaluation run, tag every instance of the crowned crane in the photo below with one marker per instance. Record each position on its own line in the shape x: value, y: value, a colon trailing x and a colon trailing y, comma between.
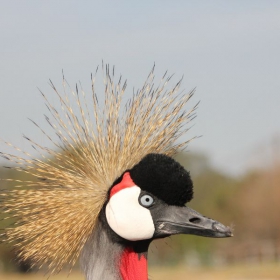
x: 110, y: 186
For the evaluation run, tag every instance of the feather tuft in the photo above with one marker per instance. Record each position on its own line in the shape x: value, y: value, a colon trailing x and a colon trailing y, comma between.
x: 56, y: 211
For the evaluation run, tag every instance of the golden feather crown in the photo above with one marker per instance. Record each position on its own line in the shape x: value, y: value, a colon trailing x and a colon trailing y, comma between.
x: 56, y: 210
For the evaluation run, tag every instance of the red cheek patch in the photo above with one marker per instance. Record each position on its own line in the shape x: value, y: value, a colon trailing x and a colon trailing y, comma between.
x: 126, y: 182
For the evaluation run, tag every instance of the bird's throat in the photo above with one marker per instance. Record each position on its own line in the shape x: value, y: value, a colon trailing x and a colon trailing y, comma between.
x: 133, y: 265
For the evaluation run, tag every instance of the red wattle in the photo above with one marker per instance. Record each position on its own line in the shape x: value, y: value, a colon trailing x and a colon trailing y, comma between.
x: 133, y: 266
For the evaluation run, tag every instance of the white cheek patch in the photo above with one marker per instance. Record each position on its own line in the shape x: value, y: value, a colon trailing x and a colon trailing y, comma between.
x: 127, y: 217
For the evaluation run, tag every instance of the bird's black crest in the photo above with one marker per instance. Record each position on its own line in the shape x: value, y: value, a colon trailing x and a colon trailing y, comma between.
x: 163, y: 177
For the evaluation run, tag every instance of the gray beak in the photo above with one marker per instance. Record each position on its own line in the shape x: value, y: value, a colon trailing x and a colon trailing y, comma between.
x: 184, y: 220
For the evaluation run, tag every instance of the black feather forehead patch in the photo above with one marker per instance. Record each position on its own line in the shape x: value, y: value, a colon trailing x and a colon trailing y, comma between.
x: 163, y: 177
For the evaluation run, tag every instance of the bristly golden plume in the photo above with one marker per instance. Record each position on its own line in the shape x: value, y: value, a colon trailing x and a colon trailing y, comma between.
x: 57, y: 210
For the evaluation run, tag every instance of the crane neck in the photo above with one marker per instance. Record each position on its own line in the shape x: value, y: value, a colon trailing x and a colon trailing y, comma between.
x: 133, y: 264
x: 107, y: 256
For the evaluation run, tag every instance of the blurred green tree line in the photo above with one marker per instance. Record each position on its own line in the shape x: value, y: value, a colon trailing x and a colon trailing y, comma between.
x: 249, y: 204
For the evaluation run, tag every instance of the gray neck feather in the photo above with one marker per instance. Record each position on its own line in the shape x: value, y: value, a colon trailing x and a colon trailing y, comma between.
x: 100, y: 256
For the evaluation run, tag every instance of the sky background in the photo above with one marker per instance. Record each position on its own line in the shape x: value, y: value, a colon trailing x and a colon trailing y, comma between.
x: 228, y: 50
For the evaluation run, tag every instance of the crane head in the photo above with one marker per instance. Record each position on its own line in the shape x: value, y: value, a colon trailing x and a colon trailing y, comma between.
x: 148, y: 202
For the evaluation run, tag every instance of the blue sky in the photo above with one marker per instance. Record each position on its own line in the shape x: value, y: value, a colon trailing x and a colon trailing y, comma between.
x: 228, y: 50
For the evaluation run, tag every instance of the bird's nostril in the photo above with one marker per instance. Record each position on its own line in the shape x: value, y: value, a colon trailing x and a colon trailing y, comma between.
x: 195, y: 220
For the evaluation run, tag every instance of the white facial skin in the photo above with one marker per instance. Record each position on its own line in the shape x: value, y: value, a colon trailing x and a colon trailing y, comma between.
x: 127, y: 217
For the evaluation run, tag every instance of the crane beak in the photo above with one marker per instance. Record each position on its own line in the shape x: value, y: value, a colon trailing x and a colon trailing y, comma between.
x: 184, y: 220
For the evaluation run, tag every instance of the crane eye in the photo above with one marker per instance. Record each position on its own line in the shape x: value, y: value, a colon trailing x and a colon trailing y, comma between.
x: 146, y: 200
